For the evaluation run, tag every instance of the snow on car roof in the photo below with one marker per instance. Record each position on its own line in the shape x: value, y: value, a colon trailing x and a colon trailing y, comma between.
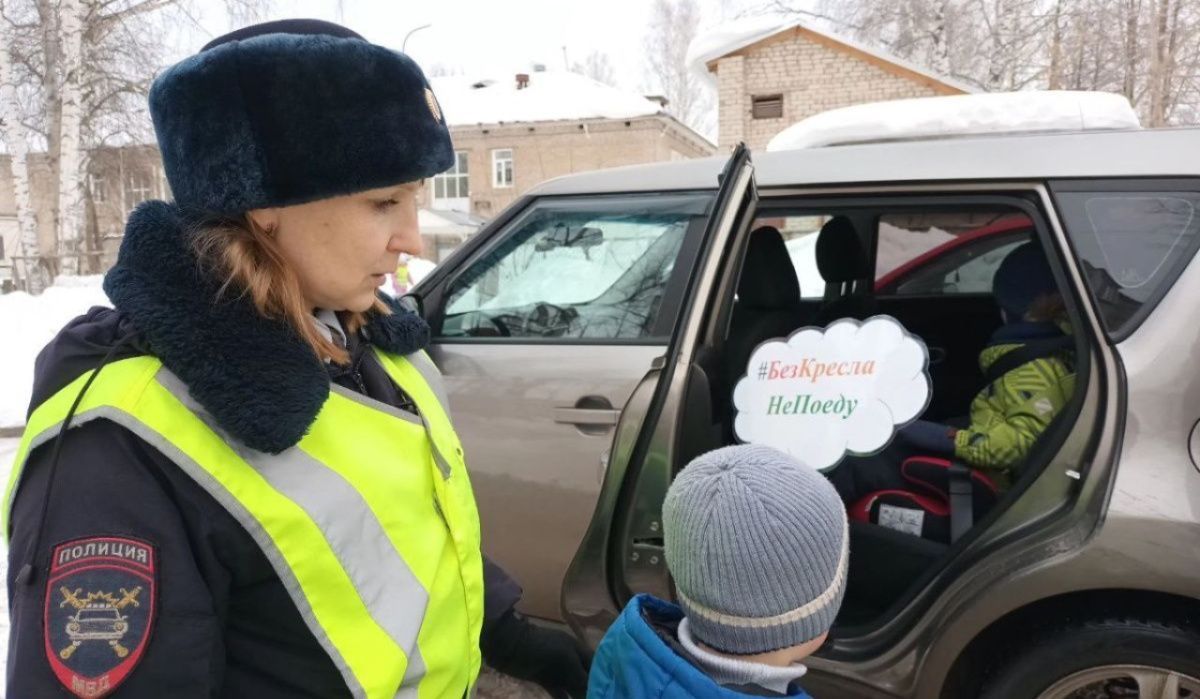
x: 960, y: 115
x: 551, y: 95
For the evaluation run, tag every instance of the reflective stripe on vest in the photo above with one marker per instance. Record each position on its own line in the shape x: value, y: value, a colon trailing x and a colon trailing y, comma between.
x: 359, y: 520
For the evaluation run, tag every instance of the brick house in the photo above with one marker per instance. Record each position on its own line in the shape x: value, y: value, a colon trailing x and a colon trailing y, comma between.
x: 770, y: 77
x: 512, y: 134
x: 119, y: 179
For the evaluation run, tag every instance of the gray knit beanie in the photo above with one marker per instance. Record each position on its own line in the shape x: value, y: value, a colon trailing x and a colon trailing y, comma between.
x: 758, y: 545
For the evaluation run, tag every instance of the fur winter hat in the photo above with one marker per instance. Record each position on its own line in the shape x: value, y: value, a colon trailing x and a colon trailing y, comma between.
x: 293, y: 111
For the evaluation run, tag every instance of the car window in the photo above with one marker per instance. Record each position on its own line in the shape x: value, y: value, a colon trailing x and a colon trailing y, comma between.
x: 966, y: 271
x: 945, y: 253
x: 1132, y: 244
x: 576, y: 269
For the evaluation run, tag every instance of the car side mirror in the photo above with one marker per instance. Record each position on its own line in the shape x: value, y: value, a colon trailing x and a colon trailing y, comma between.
x: 412, y: 302
x: 588, y: 237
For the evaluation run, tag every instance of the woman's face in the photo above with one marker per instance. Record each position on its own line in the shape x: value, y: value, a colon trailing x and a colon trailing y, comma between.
x: 341, y: 248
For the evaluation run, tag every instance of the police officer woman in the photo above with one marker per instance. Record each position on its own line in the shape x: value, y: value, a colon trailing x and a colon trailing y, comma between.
x: 244, y: 481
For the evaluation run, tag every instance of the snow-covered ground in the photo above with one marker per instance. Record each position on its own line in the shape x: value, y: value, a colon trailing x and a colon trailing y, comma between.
x: 29, y: 323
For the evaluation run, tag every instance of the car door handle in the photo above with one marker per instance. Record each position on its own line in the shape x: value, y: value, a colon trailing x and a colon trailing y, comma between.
x: 587, y: 416
x: 594, y: 416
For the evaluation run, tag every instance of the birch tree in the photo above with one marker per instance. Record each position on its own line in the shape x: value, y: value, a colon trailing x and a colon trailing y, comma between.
x: 87, y: 66
x: 70, y: 170
x: 673, y: 26
x: 17, y: 144
x: 596, y: 66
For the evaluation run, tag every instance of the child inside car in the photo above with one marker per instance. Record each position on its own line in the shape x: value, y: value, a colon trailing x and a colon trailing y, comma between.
x: 1029, y: 368
x: 758, y: 546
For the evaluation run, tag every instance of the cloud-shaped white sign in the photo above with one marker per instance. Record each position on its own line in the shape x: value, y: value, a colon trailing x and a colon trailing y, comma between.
x: 824, y: 393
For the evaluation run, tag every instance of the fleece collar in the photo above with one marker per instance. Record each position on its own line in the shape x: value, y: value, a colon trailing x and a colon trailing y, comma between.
x: 256, y: 377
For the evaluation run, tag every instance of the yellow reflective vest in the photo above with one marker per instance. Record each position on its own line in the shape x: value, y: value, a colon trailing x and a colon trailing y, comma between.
x: 369, y: 520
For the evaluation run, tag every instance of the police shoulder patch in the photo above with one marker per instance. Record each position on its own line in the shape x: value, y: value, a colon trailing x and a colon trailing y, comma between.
x: 100, y: 605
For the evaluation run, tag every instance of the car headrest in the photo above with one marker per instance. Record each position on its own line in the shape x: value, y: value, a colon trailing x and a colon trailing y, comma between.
x: 840, y: 254
x: 768, y: 277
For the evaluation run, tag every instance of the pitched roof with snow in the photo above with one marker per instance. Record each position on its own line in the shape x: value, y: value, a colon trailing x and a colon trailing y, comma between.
x: 735, y: 36
x: 549, y: 96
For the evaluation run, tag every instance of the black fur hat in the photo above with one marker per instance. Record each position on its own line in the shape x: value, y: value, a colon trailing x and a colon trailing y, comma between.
x: 293, y: 111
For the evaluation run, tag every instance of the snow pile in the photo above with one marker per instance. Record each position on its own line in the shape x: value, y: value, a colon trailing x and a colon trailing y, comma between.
x: 821, y: 394
x: 550, y: 96
x: 960, y: 115
x: 30, y: 323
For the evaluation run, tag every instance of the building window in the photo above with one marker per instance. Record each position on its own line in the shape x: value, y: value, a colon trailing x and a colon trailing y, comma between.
x: 767, y: 106
x: 98, y: 187
x: 451, y: 189
x: 139, y: 187
x: 502, y: 168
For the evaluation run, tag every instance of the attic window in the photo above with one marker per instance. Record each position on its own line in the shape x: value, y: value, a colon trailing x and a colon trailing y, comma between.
x: 767, y: 106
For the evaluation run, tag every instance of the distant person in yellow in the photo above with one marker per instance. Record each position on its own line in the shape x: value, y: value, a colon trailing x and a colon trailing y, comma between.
x: 400, y: 277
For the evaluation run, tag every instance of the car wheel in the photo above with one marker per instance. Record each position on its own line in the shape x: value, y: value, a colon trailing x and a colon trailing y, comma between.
x: 1128, y: 658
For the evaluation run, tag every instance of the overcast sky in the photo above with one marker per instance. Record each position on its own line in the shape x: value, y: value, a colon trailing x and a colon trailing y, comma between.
x: 488, y: 37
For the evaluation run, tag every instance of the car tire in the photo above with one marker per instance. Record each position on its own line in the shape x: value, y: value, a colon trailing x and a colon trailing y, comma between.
x: 1086, y: 651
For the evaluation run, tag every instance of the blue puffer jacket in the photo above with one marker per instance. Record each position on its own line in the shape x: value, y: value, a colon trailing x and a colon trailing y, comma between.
x: 636, y: 661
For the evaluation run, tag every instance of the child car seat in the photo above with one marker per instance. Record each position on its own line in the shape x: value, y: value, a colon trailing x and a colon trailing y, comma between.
x: 945, y: 498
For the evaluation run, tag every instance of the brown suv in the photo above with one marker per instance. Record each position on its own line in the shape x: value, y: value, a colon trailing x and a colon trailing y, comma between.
x: 592, y: 334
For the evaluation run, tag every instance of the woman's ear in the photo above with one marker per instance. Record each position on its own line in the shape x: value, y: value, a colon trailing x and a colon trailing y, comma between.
x: 264, y: 219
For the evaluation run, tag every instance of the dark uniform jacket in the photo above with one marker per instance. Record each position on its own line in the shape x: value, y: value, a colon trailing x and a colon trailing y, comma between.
x: 224, y: 625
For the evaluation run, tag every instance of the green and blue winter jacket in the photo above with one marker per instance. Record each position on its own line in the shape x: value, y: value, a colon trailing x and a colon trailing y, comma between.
x: 1009, y: 415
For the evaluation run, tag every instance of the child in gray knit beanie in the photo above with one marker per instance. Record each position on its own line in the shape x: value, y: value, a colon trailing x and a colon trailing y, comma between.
x: 758, y: 546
